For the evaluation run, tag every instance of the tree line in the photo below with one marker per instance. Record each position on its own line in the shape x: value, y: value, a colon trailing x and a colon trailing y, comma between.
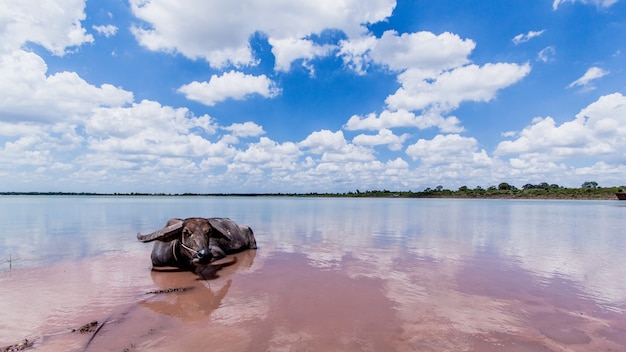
x: 588, y: 190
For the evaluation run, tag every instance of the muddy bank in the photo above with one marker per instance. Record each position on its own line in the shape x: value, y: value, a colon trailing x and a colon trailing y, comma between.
x: 285, y: 301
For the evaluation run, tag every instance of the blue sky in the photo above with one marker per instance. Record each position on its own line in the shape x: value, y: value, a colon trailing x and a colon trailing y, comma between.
x: 310, y: 96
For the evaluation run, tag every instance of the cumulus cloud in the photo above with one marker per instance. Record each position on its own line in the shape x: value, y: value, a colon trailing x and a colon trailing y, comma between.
x: 107, y: 31
x: 384, y: 137
x: 598, y: 130
x: 147, y: 118
x: 270, y: 154
x: 598, y: 3
x: 147, y: 128
x: 435, y: 75
x: 58, y: 125
x: 422, y: 50
x: 452, y: 150
x: 246, y: 129
x: 448, y: 89
x: 28, y: 94
x: 26, y: 150
x: 289, y: 50
x: 524, y: 37
x: 585, y: 81
x: 403, y: 118
x: 230, y: 85
x: 222, y: 40
x: 324, y: 140
x: 53, y: 24
x: 334, y: 148
x: 355, y: 52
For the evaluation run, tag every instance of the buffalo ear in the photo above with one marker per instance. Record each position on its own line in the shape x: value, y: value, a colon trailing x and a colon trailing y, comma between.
x: 224, y: 226
x: 163, y: 234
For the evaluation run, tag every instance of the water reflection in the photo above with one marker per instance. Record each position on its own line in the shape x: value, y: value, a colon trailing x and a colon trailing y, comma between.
x: 353, y: 274
x: 578, y: 240
x: 194, y: 297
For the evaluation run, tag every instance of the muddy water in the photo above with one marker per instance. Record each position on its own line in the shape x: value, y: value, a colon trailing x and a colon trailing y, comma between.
x: 284, y: 303
x: 372, y: 276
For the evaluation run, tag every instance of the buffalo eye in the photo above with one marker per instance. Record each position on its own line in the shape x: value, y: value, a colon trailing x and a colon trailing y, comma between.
x: 186, y: 233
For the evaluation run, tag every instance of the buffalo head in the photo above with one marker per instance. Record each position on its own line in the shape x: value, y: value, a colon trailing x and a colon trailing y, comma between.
x: 197, y: 241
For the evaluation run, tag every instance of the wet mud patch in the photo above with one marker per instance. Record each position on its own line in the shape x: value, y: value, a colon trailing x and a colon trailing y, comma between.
x: 290, y: 301
x: 564, y: 328
x: 20, y: 346
x: 500, y: 342
x: 88, y: 328
x: 169, y: 290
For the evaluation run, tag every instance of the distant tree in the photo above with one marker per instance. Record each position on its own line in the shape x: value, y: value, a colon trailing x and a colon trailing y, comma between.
x: 478, y: 188
x: 543, y: 185
x: 463, y: 189
x: 589, y: 184
x: 427, y: 190
x: 528, y: 186
x: 555, y: 186
x: 491, y: 188
x: 439, y: 188
x: 505, y: 186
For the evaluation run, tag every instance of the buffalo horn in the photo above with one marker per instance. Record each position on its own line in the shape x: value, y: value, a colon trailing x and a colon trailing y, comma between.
x: 164, y: 232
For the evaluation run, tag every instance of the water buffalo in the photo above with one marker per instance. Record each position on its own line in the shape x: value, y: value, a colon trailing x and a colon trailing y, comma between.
x: 195, y: 242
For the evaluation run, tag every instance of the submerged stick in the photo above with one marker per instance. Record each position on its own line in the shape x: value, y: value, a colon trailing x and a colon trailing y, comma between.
x: 94, y: 334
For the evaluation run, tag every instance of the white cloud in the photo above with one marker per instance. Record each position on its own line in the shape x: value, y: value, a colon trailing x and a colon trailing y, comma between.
x: 324, y: 140
x: 334, y: 147
x: 447, y: 90
x: 592, y: 74
x: 20, y: 128
x: 384, y: 137
x: 523, y: 38
x: 25, y: 151
x: 403, y: 118
x: 599, y: 3
x: 53, y: 24
x: 355, y: 52
x: 598, y: 130
x: 27, y: 94
x: 147, y: 128
x: 44, y: 146
x: 423, y: 51
x: 230, y: 85
x: 107, y: 31
x: 509, y: 134
x: 269, y: 154
x: 289, y: 50
x: 546, y: 54
x: 435, y: 76
x: 246, y: 129
x: 602, y: 170
x: 453, y: 151
x: 221, y: 39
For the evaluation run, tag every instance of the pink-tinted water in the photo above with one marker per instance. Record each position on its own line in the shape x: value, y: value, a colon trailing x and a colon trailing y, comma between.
x: 280, y: 301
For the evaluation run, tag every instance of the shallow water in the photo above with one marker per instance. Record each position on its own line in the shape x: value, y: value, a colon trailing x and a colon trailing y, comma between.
x: 329, y: 274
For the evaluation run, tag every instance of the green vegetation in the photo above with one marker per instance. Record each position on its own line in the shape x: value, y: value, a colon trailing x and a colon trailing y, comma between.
x: 503, y: 191
x: 588, y: 190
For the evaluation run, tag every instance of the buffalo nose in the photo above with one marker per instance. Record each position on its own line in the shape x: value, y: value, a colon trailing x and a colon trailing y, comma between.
x: 201, y: 253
